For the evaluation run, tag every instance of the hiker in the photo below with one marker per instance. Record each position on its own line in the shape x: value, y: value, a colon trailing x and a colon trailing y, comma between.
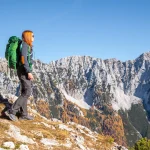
x: 25, y: 76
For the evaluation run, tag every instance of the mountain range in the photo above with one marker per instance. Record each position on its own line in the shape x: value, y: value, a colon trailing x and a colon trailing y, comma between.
x: 109, y: 96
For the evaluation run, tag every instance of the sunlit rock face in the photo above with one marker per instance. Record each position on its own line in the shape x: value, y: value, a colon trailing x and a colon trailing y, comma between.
x: 84, y: 80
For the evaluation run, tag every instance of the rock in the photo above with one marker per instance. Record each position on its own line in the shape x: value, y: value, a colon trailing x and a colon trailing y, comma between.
x: 15, y: 133
x: 118, y: 147
x: 81, y: 146
x: 9, y: 145
x: 68, y: 143
x: 23, y: 147
x: 64, y: 127
x: 56, y: 120
x: 79, y: 140
x: 49, y: 142
x: 49, y: 126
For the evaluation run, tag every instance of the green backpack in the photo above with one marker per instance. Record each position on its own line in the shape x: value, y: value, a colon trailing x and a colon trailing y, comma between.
x: 12, y: 53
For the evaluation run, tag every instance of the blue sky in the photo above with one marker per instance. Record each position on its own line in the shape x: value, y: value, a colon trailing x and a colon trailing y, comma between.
x: 99, y: 28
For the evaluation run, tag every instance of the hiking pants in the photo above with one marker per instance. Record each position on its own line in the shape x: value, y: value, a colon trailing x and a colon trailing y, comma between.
x: 21, y: 103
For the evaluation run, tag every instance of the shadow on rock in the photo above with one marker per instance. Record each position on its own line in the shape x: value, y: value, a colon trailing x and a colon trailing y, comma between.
x: 7, y: 106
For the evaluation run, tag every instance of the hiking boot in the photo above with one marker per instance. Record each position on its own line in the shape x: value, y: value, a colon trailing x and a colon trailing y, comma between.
x: 28, y: 117
x: 11, y: 116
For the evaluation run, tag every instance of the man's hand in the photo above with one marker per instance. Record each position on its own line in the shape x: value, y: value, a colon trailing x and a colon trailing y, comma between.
x: 30, y: 76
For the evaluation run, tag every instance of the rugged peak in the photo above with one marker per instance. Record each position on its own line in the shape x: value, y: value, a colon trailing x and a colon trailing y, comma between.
x: 144, y: 56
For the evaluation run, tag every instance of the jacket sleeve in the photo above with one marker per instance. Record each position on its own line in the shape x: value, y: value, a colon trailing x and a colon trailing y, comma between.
x: 24, y: 60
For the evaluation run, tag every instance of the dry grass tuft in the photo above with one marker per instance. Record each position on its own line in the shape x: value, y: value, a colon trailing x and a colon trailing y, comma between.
x: 104, y: 142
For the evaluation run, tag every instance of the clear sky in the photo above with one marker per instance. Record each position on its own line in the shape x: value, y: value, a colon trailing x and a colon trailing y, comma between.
x: 99, y: 28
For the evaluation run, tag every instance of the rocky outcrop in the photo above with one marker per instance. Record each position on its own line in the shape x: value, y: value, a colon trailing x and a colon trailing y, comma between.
x: 43, y: 133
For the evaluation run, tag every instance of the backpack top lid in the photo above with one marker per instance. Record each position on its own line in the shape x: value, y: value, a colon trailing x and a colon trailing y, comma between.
x: 13, y: 39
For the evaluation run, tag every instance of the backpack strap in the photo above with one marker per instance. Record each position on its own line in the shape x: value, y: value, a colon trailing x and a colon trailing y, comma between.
x: 29, y: 58
x: 29, y: 55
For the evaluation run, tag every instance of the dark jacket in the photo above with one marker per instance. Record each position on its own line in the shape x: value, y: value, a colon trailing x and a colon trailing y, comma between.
x: 25, y: 59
